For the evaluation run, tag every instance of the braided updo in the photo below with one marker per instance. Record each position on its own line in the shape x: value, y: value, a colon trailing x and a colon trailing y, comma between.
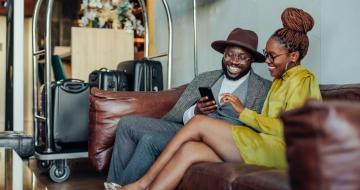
x: 296, y: 23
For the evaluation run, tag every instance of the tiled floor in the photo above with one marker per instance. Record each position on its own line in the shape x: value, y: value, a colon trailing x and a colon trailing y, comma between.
x: 82, y: 177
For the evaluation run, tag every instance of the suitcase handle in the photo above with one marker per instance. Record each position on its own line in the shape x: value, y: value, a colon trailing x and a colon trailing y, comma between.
x: 104, y: 69
x: 74, y: 85
x: 71, y: 80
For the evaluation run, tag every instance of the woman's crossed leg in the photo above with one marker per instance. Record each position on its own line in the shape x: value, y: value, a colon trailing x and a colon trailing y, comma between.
x: 202, y: 139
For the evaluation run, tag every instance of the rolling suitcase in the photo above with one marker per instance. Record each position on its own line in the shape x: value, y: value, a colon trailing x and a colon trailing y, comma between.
x: 105, y: 79
x: 144, y: 75
x: 70, y: 111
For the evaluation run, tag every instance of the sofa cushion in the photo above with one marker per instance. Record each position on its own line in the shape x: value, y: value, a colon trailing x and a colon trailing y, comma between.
x: 106, y: 109
x: 323, y: 145
x: 232, y: 176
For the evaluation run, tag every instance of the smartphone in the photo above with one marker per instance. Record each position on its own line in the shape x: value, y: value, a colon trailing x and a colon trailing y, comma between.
x: 206, y: 91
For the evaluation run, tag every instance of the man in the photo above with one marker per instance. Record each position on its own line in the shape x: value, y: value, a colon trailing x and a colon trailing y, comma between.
x: 139, y: 140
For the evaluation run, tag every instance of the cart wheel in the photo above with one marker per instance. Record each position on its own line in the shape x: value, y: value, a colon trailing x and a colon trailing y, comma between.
x: 59, y: 175
x: 43, y: 165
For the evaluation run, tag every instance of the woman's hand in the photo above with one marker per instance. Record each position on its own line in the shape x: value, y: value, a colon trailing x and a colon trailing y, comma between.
x: 204, y: 106
x: 227, y: 98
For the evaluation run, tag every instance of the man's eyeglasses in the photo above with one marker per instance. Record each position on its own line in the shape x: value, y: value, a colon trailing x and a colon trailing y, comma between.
x: 236, y: 57
x: 270, y: 57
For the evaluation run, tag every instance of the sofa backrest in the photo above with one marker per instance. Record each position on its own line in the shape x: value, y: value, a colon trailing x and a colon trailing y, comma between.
x: 349, y: 92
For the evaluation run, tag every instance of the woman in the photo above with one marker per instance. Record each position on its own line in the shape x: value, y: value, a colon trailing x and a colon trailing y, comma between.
x: 261, y: 142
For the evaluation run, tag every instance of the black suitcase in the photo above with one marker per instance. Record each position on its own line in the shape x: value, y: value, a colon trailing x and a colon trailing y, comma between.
x: 21, y: 143
x: 108, y: 80
x: 144, y: 75
x: 70, y: 111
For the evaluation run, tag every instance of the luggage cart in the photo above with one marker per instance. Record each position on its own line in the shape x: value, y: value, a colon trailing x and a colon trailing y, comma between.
x: 49, y: 159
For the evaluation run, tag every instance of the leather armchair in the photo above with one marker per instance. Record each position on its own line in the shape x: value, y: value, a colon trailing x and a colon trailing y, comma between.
x: 106, y: 108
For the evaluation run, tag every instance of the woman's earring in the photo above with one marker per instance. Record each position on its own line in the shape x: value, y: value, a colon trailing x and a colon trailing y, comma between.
x: 292, y: 63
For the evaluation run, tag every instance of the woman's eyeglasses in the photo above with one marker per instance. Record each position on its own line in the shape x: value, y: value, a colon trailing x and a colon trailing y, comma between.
x: 270, y: 57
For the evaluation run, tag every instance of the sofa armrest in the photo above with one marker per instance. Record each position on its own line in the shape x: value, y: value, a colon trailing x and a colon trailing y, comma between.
x: 107, y: 107
x: 323, y: 145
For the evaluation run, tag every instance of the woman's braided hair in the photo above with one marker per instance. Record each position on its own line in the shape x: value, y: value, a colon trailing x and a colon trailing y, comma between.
x: 296, y: 23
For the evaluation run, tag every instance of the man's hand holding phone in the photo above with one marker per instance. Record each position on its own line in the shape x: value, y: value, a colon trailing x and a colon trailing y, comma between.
x: 206, y: 104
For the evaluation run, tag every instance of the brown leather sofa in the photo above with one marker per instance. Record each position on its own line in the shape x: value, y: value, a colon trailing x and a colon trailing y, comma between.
x: 313, y: 152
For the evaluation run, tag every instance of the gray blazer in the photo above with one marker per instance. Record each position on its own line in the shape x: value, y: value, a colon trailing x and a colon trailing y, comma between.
x: 258, y: 88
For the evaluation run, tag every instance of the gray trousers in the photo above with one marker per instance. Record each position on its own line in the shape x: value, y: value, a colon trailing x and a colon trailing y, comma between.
x: 138, y: 142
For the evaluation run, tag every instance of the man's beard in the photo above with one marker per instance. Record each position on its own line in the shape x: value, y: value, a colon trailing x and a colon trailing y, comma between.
x: 241, y: 74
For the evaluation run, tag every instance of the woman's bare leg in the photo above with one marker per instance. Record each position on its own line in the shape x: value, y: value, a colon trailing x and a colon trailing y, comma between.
x: 190, y: 152
x: 213, y: 132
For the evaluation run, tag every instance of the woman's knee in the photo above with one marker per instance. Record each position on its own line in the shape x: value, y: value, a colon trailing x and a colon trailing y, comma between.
x: 198, y: 124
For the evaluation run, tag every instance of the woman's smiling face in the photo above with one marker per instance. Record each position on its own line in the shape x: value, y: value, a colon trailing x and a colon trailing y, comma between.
x: 276, y: 57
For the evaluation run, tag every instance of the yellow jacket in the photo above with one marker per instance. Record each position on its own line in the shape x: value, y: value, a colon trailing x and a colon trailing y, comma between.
x: 262, y: 142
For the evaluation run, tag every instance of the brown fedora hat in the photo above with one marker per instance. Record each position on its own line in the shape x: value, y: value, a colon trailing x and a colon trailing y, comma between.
x: 242, y: 38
